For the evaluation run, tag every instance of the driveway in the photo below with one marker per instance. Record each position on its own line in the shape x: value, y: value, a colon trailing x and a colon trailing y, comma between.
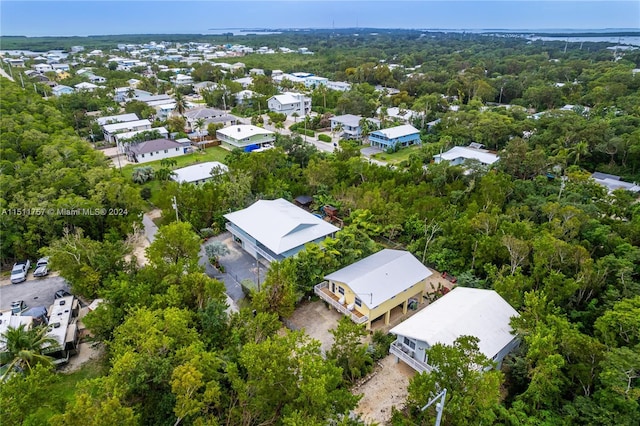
x: 368, y: 151
x: 238, y: 265
x: 34, y: 292
x: 316, y: 320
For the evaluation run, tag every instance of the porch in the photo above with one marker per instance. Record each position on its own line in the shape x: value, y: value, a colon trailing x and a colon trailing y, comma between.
x: 402, y: 353
x: 322, y: 290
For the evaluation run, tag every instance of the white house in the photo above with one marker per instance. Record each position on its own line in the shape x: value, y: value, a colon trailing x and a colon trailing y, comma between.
x: 245, y: 97
x: 89, y: 87
x: 244, y: 81
x: 122, y: 139
x: 613, y: 182
x: 341, y: 86
x: 110, y: 130
x: 315, y: 81
x: 42, y: 68
x: 156, y: 149
x: 97, y: 79
x: 289, y: 102
x: 349, y: 125
x: 461, y: 312
x: 459, y: 154
x: 244, y: 135
x: 182, y: 80
x: 121, y: 118
x: 199, y: 173
x: 276, y: 229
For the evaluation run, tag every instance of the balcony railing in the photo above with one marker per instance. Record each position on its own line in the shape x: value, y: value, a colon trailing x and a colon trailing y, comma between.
x: 322, y: 290
x: 400, y: 351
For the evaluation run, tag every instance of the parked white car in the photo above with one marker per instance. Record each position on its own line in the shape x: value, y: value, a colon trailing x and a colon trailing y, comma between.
x: 19, y: 272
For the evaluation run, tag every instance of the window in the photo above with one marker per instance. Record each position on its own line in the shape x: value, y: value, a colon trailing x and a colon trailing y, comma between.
x: 166, y: 151
x: 177, y: 149
x: 410, y: 343
x: 358, y: 302
x: 341, y: 290
x: 151, y: 154
x: 142, y: 155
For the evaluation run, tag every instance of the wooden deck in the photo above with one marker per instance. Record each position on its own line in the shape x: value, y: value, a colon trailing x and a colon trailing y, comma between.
x: 337, y: 299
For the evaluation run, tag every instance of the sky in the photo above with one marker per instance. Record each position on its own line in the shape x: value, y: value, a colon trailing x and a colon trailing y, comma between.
x: 97, y: 17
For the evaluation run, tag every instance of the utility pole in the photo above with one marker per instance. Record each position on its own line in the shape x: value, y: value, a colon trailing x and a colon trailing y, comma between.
x: 174, y: 204
x: 439, y: 406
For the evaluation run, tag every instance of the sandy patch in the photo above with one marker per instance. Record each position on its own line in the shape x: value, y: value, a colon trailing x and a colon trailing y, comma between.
x: 386, y: 387
x: 316, y: 320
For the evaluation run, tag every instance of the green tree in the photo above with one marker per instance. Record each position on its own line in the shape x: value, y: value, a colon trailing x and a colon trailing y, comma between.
x: 348, y: 351
x: 175, y: 244
x: 278, y: 293
x: 473, y: 395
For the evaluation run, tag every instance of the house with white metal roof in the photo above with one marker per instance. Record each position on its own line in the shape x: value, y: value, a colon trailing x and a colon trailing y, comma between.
x: 349, y: 126
x: 461, y: 312
x: 459, y: 154
x: 121, y: 118
x: 395, y: 137
x: 370, y: 288
x: 244, y: 135
x: 110, y: 130
x: 613, y: 182
x: 276, y: 229
x: 199, y: 173
x: 289, y: 103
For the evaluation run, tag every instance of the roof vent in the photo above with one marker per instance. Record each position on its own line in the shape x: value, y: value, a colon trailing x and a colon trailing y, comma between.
x: 238, y: 129
x: 62, y: 302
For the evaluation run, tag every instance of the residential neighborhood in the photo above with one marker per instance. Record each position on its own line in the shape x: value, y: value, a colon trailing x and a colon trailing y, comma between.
x: 319, y: 226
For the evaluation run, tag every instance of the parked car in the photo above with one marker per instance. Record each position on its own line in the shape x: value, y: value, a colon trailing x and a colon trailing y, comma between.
x: 42, y: 267
x: 19, y: 271
x: 18, y: 306
x: 61, y: 293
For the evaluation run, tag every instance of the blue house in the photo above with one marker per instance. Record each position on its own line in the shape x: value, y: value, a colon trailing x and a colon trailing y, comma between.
x: 399, y: 136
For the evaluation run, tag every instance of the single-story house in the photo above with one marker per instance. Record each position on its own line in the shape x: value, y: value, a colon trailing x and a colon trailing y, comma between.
x: 110, y: 130
x: 459, y: 154
x: 243, y: 135
x: 276, y: 229
x: 61, y: 89
x: 122, y: 94
x: 399, y: 136
x: 199, y: 173
x: 205, y: 85
x: 121, y: 118
x: 341, y: 86
x: 89, y: 87
x: 245, y: 97
x: 97, y: 79
x: 42, y: 67
x: 244, y: 81
x: 156, y: 149
x: 193, y: 115
x: 289, y: 103
x: 122, y: 138
x: 613, y: 182
x: 461, y: 312
x: 372, y: 287
x: 350, y: 125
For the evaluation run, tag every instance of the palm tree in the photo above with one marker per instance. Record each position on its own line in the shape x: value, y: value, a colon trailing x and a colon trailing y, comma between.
x: 581, y: 149
x: 199, y: 125
x: 181, y: 103
x: 337, y: 129
x: 164, y: 174
x: 24, y: 348
x: 365, y: 129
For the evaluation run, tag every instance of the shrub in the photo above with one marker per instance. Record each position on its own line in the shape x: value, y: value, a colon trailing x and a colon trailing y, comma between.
x: 324, y: 138
x: 207, y: 232
x: 380, y: 344
x: 145, y: 193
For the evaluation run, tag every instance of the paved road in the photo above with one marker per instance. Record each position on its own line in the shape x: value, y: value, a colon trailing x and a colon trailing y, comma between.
x: 34, y: 292
x: 150, y: 228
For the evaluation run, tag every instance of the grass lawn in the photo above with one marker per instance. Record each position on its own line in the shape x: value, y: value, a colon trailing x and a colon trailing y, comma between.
x: 214, y: 153
x: 397, y: 157
x: 62, y: 391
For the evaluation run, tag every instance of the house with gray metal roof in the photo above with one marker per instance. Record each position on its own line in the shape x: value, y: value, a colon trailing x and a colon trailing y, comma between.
x: 461, y: 312
x: 372, y: 287
x: 156, y: 149
x: 276, y: 229
x: 199, y: 173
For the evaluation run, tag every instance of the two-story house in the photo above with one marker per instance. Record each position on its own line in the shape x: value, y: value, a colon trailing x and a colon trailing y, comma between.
x: 395, y: 137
